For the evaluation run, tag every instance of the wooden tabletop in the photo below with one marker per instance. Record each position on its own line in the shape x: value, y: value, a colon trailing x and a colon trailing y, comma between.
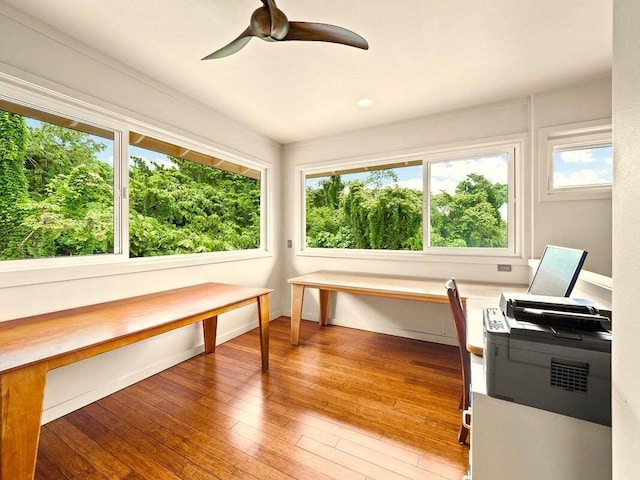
x: 52, y: 336
x: 416, y: 288
x: 477, y: 295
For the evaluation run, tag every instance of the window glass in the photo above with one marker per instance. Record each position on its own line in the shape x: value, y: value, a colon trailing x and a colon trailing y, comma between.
x: 443, y: 204
x: 182, y: 201
x: 469, y: 202
x: 56, y: 186
x: 376, y: 208
x: 582, y: 166
x: 576, y: 161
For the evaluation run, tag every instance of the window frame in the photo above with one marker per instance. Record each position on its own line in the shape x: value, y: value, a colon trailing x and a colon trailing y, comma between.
x: 516, y: 215
x: 565, y: 137
x: 20, y: 271
x: 74, y: 113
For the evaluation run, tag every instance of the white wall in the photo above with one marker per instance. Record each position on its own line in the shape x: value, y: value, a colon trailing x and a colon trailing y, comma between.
x: 563, y: 223
x: 626, y: 231
x: 406, y: 318
x: 32, y: 53
x: 49, y: 59
x: 583, y: 224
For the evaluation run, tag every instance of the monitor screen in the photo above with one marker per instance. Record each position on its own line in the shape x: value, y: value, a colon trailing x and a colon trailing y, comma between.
x: 557, y: 272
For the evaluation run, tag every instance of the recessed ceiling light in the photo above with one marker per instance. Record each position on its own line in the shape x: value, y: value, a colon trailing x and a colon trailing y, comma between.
x: 364, y: 102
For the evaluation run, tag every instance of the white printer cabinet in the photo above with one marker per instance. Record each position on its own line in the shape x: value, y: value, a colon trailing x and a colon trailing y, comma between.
x: 516, y: 442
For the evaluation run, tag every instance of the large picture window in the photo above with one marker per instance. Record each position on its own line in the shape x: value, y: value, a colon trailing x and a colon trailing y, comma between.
x: 460, y: 201
x: 56, y: 186
x: 67, y: 192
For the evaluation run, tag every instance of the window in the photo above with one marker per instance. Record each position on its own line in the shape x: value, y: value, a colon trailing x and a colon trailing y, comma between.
x: 459, y: 201
x: 578, y: 161
x: 69, y: 197
x: 182, y: 201
x: 56, y: 186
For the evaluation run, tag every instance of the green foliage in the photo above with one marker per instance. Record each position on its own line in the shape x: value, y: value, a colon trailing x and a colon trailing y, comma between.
x: 327, y: 194
x: 395, y: 219
x: 369, y: 215
x: 75, y: 217
x: 363, y: 217
x: 191, y: 208
x: 57, y: 199
x: 471, y: 217
x: 54, y: 150
x: 13, y: 181
x: 357, y: 205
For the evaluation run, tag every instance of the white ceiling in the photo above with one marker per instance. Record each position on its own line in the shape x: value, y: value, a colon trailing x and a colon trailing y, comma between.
x: 425, y: 56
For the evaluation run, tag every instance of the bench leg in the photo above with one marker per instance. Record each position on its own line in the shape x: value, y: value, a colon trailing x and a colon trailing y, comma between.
x: 210, y: 330
x: 325, y: 295
x: 20, y: 413
x: 263, y: 319
x: 297, y: 294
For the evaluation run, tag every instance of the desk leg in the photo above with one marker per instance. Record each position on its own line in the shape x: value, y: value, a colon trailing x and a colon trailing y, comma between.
x: 324, y: 306
x: 210, y: 329
x: 21, y: 412
x: 263, y: 318
x: 297, y: 294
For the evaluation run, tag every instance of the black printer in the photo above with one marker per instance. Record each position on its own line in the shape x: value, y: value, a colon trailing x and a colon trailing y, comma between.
x: 552, y: 353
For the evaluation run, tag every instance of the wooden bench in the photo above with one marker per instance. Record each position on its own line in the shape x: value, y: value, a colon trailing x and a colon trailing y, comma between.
x: 30, y: 347
x: 474, y: 296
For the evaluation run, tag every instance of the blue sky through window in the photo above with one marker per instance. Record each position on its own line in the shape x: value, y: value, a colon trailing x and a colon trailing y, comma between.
x: 444, y: 175
x: 583, y: 167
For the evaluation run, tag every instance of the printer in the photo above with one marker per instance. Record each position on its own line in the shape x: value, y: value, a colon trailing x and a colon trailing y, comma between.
x: 552, y: 353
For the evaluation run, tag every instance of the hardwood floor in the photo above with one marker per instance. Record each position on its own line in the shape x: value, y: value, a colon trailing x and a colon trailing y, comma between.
x: 345, y: 404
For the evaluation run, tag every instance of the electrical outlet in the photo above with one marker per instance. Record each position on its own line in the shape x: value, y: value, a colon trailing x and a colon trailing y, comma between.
x: 289, y: 243
x: 504, y: 268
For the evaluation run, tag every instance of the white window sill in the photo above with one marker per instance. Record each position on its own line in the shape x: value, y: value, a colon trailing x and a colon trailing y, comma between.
x: 32, y: 275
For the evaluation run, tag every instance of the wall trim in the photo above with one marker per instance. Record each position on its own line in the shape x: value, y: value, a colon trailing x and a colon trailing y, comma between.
x: 396, y: 332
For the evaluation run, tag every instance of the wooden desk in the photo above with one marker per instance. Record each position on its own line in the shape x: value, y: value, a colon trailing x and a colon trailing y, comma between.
x: 474, y: 295
x: 30, y: 347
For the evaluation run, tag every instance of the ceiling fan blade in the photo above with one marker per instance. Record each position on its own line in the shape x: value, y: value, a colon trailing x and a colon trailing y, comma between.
x: 321, y: 32
x: 279, y: 21
x: 233, y: 47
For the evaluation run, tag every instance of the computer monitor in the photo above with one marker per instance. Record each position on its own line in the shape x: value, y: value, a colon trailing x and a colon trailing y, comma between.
x: 557, y: 272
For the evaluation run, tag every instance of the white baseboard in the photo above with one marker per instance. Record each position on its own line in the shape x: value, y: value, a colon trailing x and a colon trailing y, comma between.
x: 377, y: 328
x: 397, y: 332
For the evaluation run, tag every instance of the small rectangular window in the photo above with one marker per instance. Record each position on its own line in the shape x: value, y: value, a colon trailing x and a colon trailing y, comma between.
x: 576, y: 161
x: 56, y: 186
x: 183, y: 201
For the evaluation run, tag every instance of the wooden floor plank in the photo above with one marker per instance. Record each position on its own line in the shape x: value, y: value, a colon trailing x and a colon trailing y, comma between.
x: 352, y: 462
x: 85, y: 447
x: 344, y: 405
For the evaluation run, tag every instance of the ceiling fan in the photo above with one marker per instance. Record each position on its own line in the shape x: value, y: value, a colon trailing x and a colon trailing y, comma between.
x: 269, y: 23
